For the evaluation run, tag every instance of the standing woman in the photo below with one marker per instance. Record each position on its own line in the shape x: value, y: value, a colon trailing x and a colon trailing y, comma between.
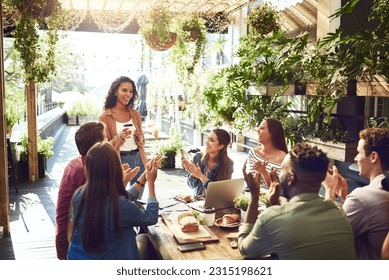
x: 211, y: 165
x: 271, y: 150
x: 102, y: 214
x: 124, y: 123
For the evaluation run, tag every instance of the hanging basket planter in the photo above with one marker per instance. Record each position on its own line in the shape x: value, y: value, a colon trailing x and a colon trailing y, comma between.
x: 38, y: 8
x: 264, y: 28
x: 262, y: 19
x: 154, y: 43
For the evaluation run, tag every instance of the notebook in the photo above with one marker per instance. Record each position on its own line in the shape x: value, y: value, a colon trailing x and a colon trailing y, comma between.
x: 220, y: 194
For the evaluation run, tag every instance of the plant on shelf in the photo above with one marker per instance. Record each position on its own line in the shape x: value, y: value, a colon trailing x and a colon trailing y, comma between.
x: 156, y: 27
x: 262, y: 19
x: 363, y: 53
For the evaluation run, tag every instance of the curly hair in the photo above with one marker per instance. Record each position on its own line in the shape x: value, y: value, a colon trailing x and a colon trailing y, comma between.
x: 111, y: 98
x: 377, y: 140
x: 308, y: 158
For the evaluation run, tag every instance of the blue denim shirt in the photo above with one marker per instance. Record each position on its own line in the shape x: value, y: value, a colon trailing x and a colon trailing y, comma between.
x: 196, y: 184
x: 121, y: 247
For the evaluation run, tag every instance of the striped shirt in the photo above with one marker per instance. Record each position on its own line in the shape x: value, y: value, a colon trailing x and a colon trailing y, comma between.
x: 253, y: 157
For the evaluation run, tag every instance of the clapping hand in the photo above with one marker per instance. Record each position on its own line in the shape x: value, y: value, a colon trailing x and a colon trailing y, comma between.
x: 335, y: 184
x: 275, y: 189
x: 260, y: 166
x: 152, y: 168
x: 192, y: 168
x: 129, y: 173
x: 252, y: 182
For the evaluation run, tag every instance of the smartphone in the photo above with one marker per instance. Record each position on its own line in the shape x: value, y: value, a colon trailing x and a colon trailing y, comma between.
x: 233, y: 241
x: 128, y: 125
x: 191, y: 247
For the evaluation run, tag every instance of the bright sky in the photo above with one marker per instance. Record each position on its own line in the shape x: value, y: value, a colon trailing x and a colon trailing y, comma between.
x: 107, y: 55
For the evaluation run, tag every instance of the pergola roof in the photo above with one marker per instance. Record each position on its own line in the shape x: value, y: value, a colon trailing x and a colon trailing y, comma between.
x: 136, y: 6
x: 120, y: 16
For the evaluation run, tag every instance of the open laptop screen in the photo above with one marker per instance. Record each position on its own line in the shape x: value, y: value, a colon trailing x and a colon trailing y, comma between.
x: 220, y: 194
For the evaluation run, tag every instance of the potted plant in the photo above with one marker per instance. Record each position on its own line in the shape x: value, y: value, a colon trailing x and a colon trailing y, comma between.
x: 169, y: 148
x: 45, y: 150
x: 242, y: 203
x: 262, y: 19
x: 156, y: 28
x: 15, y: 109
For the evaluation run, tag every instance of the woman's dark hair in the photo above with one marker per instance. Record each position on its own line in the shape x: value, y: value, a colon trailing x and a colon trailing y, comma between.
x: 111, y: 98
x: 224, y: 138
x: 277, y: 134
x: 99, y: 201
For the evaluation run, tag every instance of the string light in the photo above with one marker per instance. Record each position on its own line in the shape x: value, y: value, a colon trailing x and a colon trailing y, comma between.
x: 110, y: 21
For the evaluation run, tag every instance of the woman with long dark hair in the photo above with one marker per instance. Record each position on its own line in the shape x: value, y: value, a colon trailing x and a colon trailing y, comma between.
x: 102, y: 215
x: 124, y: 123
x: 211, y: 165
x: 270, y: 152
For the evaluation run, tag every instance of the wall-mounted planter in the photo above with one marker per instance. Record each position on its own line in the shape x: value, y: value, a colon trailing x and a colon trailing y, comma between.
x: 345, y: 152
x: 272, y: 90
x: 374, y: 85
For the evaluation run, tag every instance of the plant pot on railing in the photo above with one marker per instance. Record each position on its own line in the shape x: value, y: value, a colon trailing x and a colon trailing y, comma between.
x: 154, y: 43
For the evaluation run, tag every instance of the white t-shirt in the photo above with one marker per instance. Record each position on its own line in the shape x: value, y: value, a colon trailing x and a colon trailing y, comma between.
x: 129, y: 144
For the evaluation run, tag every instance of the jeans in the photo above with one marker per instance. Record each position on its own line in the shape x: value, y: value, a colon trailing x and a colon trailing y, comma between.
x: 134, y: 160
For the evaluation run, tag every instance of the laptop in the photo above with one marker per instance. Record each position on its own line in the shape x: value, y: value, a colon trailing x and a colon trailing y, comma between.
x: 220, y: 194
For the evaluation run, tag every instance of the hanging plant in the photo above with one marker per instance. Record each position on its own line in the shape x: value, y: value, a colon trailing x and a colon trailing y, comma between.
x: 262, y: 19
x: 37, y: 51
x: 36, y: 8
x: 155, y: 26
x: 186, y: 53
x: 217, y: 22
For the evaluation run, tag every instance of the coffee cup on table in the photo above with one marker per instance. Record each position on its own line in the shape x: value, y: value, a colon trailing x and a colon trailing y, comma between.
x: 209, y: 216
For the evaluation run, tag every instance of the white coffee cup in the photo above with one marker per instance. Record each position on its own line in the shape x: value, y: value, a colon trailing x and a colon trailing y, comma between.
x: 209, y: 216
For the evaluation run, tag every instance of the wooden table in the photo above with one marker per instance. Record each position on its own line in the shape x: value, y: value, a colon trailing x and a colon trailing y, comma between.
x: 165, y: 243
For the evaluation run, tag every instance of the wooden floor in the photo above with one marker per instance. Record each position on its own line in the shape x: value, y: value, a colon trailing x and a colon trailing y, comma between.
x: 32, y: 212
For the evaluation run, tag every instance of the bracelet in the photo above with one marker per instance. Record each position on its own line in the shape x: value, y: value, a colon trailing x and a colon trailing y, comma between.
x: 142, y: 185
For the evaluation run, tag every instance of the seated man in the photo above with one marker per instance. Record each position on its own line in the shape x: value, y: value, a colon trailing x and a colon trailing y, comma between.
x: 306, y: 227
x: 367, y: 208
